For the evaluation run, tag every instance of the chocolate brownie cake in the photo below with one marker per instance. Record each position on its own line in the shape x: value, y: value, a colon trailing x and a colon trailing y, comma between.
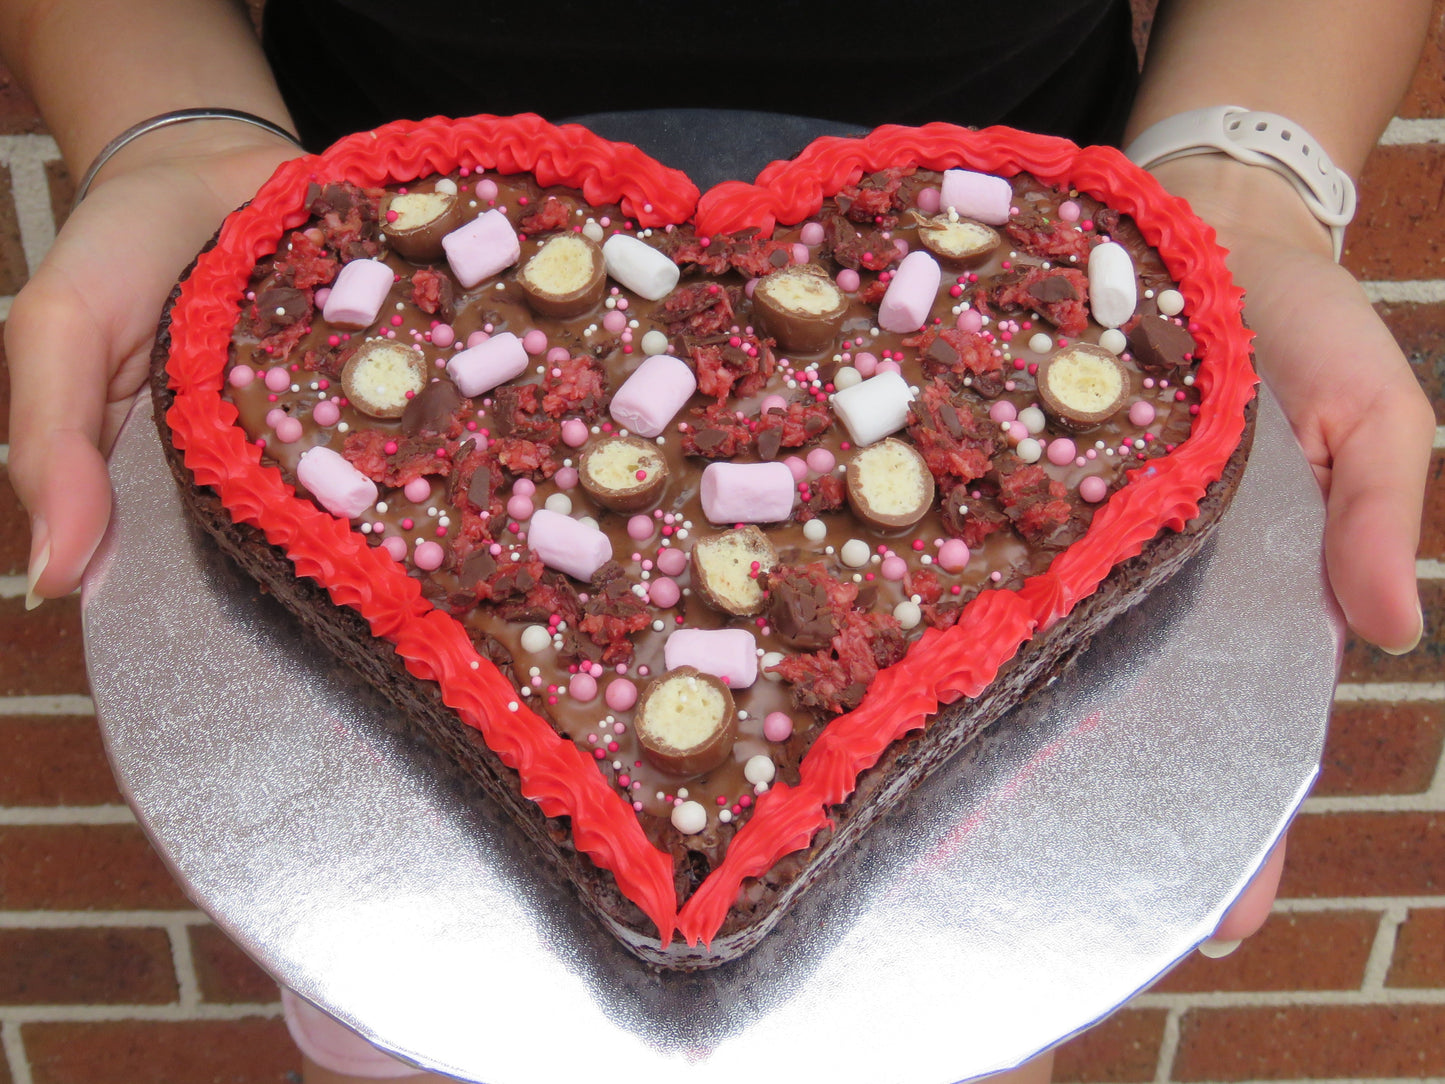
x: 699, y: 529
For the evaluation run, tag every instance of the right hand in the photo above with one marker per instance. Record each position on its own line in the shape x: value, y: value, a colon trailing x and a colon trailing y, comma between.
x: 79, y: 335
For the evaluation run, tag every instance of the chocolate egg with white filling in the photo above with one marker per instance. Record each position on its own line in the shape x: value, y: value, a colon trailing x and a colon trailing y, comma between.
x: 1082, y: 386
x: 421, y: 220
x: 957, y: 241
x: 801, y: 307
x: 726, y: 569
x: 382, y: 377
x: 686, y: 722
x: 624, y: 474
x: 889, y: 485
x: 565, y: 277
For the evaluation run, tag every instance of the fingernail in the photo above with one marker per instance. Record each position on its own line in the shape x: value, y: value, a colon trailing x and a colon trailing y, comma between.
x: 36, y: 570
x: 1216, y: 949
x: 1419, y: 634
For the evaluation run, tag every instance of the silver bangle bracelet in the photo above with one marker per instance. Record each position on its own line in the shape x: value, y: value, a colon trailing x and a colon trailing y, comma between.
x: 165, y: 120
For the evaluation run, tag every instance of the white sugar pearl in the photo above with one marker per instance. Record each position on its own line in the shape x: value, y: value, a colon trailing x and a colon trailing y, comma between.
x: 1040, y: 343
x: 560, y: 503
x: 689, y: 818
x: 654, y: 342
x: 1113, y: 341
x: 446, y: 186
x: 815, y: 530
x: 1033, y: 419
x: 846, y: 377
x: 768, y: 661
x: 759, y: 769
x: 908, y: 614
x: 536, y: 638
x: 1029, y: 450
x: 855, y: 553
x: 1170, y: 302
x: 593, y: 232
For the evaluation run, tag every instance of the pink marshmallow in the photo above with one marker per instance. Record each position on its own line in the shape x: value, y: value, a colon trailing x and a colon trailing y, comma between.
x: 340, y: 488
x: 979, y: 196
x: 358, y: 294
x: 485, y: 245
x: 747, y: 492
x: 729, y: 654
x: 653, y: 394
x: 911, y: 292
x: 482, y: 367
x: 568, y: 544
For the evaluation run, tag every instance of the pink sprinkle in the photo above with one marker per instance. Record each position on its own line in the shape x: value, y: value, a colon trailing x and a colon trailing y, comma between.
x: 664, y: 592
x: 848, y: 280
x: 574, y: 432
x: 582, y: 687
x: 417, y: 490
x: 428, y: 556
x: 778, y: 726
x: 1093, y: 489
x: 953, y: 555
x: 621, y: 694
x: 326, y: 413
x: 241, y: 376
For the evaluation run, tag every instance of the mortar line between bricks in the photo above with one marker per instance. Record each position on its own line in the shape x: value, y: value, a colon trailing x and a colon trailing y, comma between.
x: 1413, y: 130
x: 1390, y: 690
x: 19, y: 148
x: 1430, y: 570
x: 107, y: 1014
x: 1430, y: 801
x: 188, y: 984
x: 1382, y: 951
x: 1288, y: 999
x: 30, y: 192
x: 1336, y: 1080
x: 12, y: 586
x: 1405, y: 291
x: 1355, y: 903
x: 1168, y: 1048
x: 15, y: 1056
x: 59, y: 920
x: 46, y: 705
x: 14, y: 816
x: 5, y: 302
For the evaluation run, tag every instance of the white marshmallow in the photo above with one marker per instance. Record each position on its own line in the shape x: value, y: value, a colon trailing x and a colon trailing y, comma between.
x: 874, y: 408
x: 640, y: 267
x: 1113, y: 289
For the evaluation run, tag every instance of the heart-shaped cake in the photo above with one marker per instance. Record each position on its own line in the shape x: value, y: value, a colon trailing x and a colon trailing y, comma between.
x: 699, y: 528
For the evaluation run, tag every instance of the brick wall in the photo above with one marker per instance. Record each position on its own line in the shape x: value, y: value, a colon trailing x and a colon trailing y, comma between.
x: 108, y: 975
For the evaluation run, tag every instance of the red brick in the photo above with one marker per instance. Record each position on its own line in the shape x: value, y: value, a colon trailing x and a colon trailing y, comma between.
x: 1399, y: 229
x: 1381, y: 748
x: 1365, y: 854
x: 53, y: 760
x: 13, y: 268
x: 62, y: 191
x: 1300, y: 1042
x: 98, y: 867
x: 1419, y: 958
x: 40, y: 651
x: 14, y: 530
x: 1308, y: 951
x: 86, y: 966
x: 1419, y: 328
x: 1426, y: 96
x: 18, y: 115
x: 4, y: 391
x: 252, y: 1050
x: 1432, y: 527
x: 1365, y: 662
x: 1122, y: 1049
x: 225, y: 972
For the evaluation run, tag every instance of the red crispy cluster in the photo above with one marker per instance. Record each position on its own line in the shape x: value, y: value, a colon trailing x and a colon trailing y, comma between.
x: 862, y: 250
x: 525, y: 457
x: 612, y: 613
x: 875, y: 198
x: 575, y: 386
x: 955, y: 442
x: 791, y: 427
x: 688, y: 250
x: 826, y: 493
x: 755, y: 257
x: 431, y: 291
x: 1036, y: 504
x: 940, y: 610
x: 517, y: 412
x: 739, y: 365
x: 553, y: 214
x: 304, y: 262
x: 394, y: 462
x: 700, y: 309
x: 717, y: 433
x: 720, y: 432
x: 347, y: 217
x: 953, y: 353
x: 835, y: 678
x: 1050, y: 241
x: 473, y: 488
x: 971, y: 518
x: 1059, y: 294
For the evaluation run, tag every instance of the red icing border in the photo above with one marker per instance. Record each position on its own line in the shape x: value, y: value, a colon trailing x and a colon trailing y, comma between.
x: 939, y: 669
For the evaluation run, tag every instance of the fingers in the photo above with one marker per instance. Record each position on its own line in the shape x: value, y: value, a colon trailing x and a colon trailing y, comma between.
x: 1248, y: 913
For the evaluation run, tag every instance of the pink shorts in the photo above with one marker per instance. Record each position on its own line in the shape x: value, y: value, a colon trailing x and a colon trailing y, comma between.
x: 335, y: 1046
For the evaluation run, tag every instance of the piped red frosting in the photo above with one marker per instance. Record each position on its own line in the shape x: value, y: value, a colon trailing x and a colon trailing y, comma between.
x: 939, y: 669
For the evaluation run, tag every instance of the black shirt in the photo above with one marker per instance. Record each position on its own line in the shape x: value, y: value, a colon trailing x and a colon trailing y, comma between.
x: 1064, y: 67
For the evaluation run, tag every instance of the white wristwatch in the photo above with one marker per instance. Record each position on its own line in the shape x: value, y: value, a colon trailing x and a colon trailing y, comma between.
x: 1259, y: 139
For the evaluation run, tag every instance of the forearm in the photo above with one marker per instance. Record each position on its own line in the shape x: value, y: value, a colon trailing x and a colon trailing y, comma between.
x: 95, y: 67
x: 1336, y: 67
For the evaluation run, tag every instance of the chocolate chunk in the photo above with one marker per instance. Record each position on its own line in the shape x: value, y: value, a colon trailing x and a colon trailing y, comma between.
x: 432, y: 410
x: 478, y: 566
x: 799, y: 611
x: 281, y: 306
x: 942, y: 351
x: 1052, y: 289
x: 479, y: 489
x: 769, y: 441
x: 1160, y: 345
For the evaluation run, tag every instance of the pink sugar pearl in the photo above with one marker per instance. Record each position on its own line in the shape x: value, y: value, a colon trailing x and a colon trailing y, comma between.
x: 326, y: 413
x: 672, y: 561
x: 894, y: 568
x: 534, y: 342
x: 428, y: 556
x: 621, y: 694
x: 277, y: 379
x: 821, y: 460
x: 953, y: 555
x: 582, y: 687
x: 275, y: 416
x: 241, y: 376
x: 930, y: 200
x: 417, y: 490
x: 558, y: 354
x: 865, y: 363
x: 639, y: 528
x: 615, y: 321
x: 811, y: 233
x: 566, y: 478
x: 778, y: 726
x: 486, y: 188
x: 524, y: 487
x: 1003, y: 411
x: 772, y: 402
x: 664, y: 592
x: 443, y: 335
x: 574, y: 432
x: 1069, y: 211
x: 396, y: 547
x: 797, y: 466
x: 1061, y: 451
x: 1141, y: 413
x: 288, y: 430
x: 519, y: 507
x: 969, y: 320
x: 848, y: 280
x: 476, y: 338
x: 1093, y: 489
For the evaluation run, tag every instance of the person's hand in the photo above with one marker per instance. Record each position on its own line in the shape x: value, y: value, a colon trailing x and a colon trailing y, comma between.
x: 79, y: 335
x: 1358, y: 412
